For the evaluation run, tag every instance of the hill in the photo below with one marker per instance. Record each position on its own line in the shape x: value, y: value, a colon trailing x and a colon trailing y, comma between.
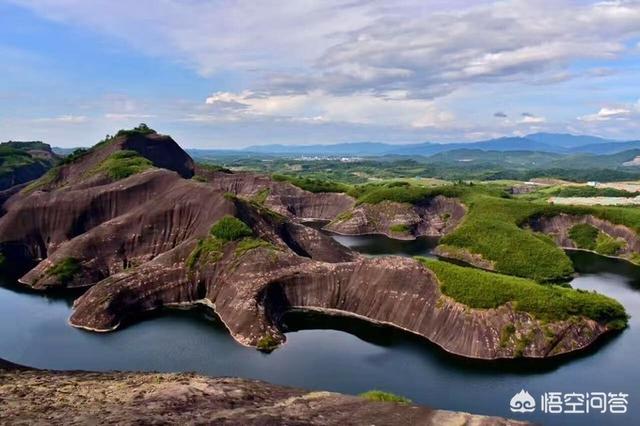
x: 21, y: 162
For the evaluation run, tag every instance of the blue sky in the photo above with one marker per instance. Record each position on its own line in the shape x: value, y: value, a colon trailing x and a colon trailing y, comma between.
x: 232, y: 73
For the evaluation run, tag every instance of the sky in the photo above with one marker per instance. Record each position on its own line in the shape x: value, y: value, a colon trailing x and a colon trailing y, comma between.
x: 235, y: 73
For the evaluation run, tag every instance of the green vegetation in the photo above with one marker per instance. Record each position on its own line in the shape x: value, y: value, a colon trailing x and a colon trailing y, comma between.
x: 401, y: 192
x: 19, y: 163
x: 588, y: 237
x: 608, y: 245
x: 65, y: 270
x: 485, y: 290
x: 267, y: 343
x: 230, y: 228
x: 590, y: 191
x: 312, y: 184
x: 261, y: 196
x: 141, y: 129
x: 381, y: 396
x: 75, y: 156
x: 3, y: 261
x: 207, y: 251
x: 584, y: 236
x: 213, y: 168
x: 122, y: 164
x: 227, y: 230
x: 400, y: 228
x: 248, y: 244
x: 492, y: 228
x: 505, y: 335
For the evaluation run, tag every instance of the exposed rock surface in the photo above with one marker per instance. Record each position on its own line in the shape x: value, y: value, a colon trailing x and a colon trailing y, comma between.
x: 558, y: 228
x: 433, y: 217
x: 134, y: 242
x: 78, y: 398
x: 281, y: 197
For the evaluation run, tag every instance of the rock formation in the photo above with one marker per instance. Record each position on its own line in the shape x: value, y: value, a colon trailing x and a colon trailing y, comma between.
x: 558, y: 227
x: 78, y: 398
x: 433, y: 217
x: 145, y: 241
x: 21, y: 162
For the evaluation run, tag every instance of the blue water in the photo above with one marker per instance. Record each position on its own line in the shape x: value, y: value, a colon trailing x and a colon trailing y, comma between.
x: 342, y: 355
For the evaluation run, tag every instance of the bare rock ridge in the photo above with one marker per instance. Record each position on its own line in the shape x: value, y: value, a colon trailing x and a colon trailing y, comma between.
x: 143, y: 241
x: 64, y: 398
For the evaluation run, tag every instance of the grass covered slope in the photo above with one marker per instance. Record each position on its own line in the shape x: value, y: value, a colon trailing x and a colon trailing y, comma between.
x: 486, y: 290
x: 493, y: 234
x: 21, y: 162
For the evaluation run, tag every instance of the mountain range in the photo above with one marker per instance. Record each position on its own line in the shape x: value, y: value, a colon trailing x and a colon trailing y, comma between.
x: 541, y: 142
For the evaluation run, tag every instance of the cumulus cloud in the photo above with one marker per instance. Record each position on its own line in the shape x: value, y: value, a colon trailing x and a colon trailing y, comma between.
x: 322, y: 107
x: 427, y: 49
x: 367, y: 63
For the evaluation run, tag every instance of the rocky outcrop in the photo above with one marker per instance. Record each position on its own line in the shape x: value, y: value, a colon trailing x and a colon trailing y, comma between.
x: 138, y: 243
x: 558, y: 228
x: 78, y: 398
x: 21, y: 162
x: 433, y: 217
x: 281, y: 197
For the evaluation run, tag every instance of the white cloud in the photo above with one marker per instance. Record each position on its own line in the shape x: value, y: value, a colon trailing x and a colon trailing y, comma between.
x: 528, y: 118
x: 606, y: 114
x: 428, y: 48
x: 321, y: 107
x: 63, y: 119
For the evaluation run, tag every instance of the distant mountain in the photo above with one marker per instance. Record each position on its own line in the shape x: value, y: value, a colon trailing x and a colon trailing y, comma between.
x: 352, y: 148
x: 558, y: 143
x: 607, y: 148
x: 567, y: 140
x: 372, y: 149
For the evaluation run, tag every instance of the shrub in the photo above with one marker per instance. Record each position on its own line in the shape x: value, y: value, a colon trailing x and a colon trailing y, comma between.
x: 230, y: 228
x: 65, y: 270
x: 377, y: 395
x: 607, y: 245
x: 267, y: 343
x: 486, y: 290
x: 261, y: 196
x: 141, y: 129
x: 584, y: 235
x: 207, y: 251
x: 400, y: 228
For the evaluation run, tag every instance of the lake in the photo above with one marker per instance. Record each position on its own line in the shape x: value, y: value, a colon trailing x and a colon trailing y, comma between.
x: 345, y: 355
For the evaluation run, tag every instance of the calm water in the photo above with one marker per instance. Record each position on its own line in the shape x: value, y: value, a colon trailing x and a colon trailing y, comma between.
x: 341, y: 355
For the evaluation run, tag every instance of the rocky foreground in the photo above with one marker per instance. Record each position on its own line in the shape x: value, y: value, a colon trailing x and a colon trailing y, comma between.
x: 31, y: 397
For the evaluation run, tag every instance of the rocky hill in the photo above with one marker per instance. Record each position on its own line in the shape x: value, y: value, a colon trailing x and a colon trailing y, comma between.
x: 21, y: 162
x: 75, y: 398
x: 135, y: 222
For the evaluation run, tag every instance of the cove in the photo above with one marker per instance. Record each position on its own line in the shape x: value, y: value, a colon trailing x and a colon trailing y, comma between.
x: 339, y: 354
